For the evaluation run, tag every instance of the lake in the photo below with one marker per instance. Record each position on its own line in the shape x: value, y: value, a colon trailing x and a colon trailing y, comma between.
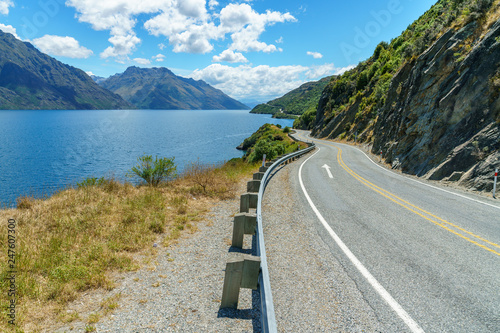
x: 42, y: 152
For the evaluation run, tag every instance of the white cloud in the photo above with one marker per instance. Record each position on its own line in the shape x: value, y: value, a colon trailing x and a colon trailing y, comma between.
x: 142, y: 61
x: 159, y: 57
x: 4, y: 6
x: 246, y: 26
x: 262, y: 82
x: 315, y: 55
x: 212, y: 4
x: 122, y: 46
x: 117, y: 16
x: 195, y: 40
x: 244, y: 81
x: 189, y: 25
x: 230, y: 56
x: 61, y: 46
x: 192, y: 8
x: 10, y: 29
x: 279, y: 41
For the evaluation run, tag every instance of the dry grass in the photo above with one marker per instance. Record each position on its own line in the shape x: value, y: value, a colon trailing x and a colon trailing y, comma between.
x: 74, y: 241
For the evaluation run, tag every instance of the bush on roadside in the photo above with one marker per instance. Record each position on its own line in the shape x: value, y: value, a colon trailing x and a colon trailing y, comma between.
x: 154, y: 172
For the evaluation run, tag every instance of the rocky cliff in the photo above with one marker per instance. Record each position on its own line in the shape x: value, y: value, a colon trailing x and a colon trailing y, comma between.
x: 442, y: 114
x: 30, y: 79
x: 429, y: 100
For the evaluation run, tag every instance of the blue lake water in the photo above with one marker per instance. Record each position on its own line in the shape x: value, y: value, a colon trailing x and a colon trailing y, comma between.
x: 44, y: 151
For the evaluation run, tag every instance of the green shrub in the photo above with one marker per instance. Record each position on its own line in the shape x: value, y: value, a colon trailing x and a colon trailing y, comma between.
x: 91, y: 181
x: 156, y: 171
x: 263, y: 147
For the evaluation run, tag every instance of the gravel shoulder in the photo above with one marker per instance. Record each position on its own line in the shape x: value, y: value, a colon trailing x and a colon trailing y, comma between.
x: 311, y: 290
x: 179, y: 289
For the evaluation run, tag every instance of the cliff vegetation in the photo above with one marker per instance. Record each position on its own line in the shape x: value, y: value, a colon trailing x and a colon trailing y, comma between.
x: 429, y: 99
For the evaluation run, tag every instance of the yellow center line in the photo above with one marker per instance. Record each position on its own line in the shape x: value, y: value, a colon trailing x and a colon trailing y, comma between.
x: 417, y: 210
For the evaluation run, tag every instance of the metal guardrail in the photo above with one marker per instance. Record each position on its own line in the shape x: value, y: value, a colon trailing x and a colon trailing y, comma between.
x: 268, y: 319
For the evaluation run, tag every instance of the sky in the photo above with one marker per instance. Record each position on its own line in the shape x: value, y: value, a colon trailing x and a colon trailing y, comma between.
x: 253, y: 50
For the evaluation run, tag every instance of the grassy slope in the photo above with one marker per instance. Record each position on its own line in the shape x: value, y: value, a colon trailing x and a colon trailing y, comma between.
x: 74, y: 241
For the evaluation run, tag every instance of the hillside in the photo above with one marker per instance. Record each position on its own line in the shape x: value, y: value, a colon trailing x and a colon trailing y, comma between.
x: 159, y: 88
x: 297, y: 102
x: 30, y: 79
x: 269, y: 140
x: 429, y: 100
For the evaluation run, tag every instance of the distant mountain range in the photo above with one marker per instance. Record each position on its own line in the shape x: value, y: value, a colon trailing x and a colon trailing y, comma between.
x: 159, y: 88
x: 30, y: 79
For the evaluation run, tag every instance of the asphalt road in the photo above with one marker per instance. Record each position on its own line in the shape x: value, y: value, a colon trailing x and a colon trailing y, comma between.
x: 426, y: 259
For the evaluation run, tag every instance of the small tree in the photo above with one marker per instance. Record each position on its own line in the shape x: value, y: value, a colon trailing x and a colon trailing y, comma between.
x: 202, y: 175
x: 154, y: 171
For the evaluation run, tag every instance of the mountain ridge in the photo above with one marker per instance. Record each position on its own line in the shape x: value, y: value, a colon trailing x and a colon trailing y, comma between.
x: 160, y: 88
x: 30, y: 79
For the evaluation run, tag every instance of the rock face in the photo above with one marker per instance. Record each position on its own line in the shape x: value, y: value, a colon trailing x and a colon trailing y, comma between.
x: 30, y: 79
x: 442, y: 113
x: 159, y: 88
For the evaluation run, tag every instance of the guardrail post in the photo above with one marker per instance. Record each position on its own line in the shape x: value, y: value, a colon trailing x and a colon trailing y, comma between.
x: 268, y: 164
x: 247, y: 201
x: 258, y: 175
x: 242, y: 271
x: 251, y: 269
x: 253, y: 186
x: 495, y: 183
x: 232, y: 282
x: 263, y: 169
x: 244, y: 224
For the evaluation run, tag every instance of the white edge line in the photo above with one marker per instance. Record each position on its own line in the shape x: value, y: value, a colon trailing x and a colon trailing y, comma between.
x: 416, y: 181
x: 414, y: 327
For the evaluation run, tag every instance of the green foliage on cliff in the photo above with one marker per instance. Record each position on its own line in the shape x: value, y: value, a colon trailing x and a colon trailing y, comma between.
x: 269, y: 140
x: 296, y: 102
x: 362, y: 91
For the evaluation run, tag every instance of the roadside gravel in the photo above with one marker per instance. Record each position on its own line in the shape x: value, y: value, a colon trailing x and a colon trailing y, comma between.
x: 181, y: 288
x: 311, y: 290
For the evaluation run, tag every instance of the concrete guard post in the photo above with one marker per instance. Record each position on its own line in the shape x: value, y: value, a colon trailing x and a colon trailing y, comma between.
x: 253, y: 186
x: 258, y: 175
x: 244, y: 224
x: 242, y: 271
x: 247, y: 201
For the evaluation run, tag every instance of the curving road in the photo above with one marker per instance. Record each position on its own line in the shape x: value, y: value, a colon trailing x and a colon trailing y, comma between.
x: 425, y: 259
